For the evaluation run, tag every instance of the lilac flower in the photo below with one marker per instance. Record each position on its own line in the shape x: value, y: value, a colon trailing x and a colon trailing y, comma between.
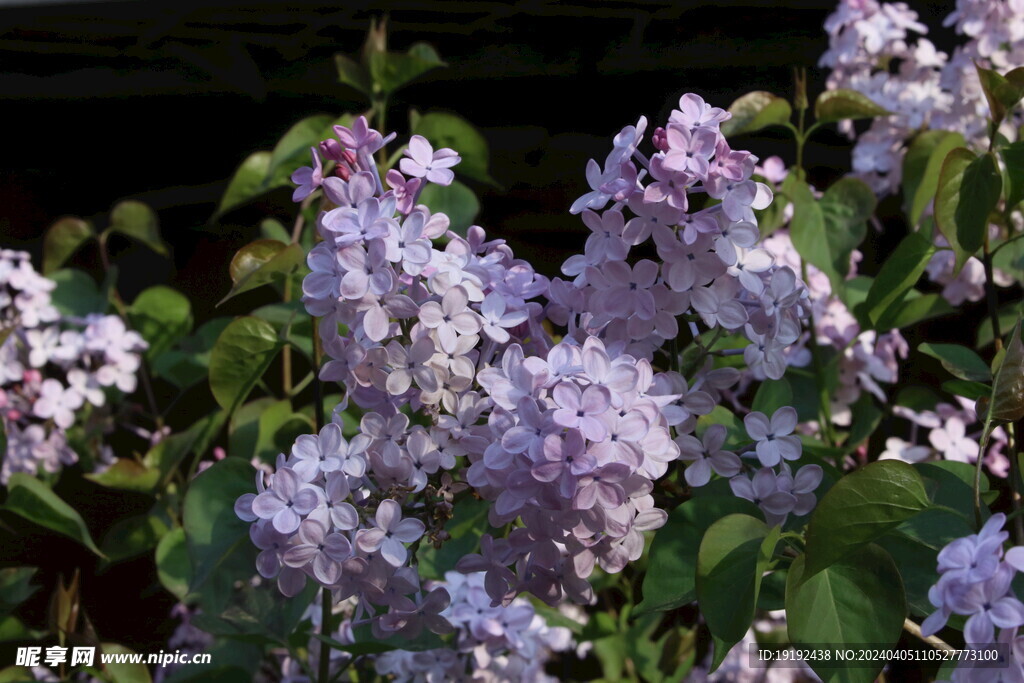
x: 496, y: 320
x: 308, y: 179
x: 773, y: 441
x: 324, y: 551
x: 57, y: 402
x: 596, y: 198
x: 764, y: 491
x: 707, y: 455
x: 581, y: 409
x: 452, y: 316
x: 408, y: 363
x: 424, y: 162
x: 406, y: 190
x: 286, y: 501
x: 390, y: 534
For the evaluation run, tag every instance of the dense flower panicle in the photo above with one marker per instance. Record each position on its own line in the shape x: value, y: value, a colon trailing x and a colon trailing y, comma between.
x: 54, y: 369
x: 444, y: 350
x: 974, y: 581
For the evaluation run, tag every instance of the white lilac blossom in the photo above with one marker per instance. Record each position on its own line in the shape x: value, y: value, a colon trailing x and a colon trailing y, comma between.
x: 54, y: 370
x: 974, y: 582
x: 566, y: 438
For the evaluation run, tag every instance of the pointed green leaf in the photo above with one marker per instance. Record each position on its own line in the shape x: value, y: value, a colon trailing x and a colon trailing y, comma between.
x: 162, y: 316
x: 969, y: 188
x: 826, y: 232
x: 247, y: 182
x: 32, y: 499
x: 672, y: 565
x: 260, y: 263
x: 218, y: 541
x: 76, y: 293
x: 754, y: 111
x: 859, y: 599
x: 859, y: 508
x: 173, y: 567
x: 901, y: 270
x: 733, y: 556
x: 62, y: 240
x: 139, y: 222
x: 242, y: 354
x: 390, y: 71
x: 921, y: 167
x: 772, y: 395
x: 836, y: 105
x: 352, y: 73
x: 959, y: 361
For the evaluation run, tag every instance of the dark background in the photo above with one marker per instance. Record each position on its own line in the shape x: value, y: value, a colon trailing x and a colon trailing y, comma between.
x: 161, y: 101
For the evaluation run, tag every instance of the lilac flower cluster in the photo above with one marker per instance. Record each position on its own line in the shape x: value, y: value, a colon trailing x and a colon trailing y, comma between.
x: 510, y: 643
x: 974, y: 581
x: 928, y: 90
x: 53, y: 369
x: 566, y: 439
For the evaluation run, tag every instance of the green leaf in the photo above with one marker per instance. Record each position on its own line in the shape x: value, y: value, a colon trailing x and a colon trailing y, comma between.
x: 136, y: 220
x: 914, y: 310
x: 352, y: 73
x: 219, y: 547
x: 466, y: 527
x: 247, y: 182
x: 292, y: 322
x: 242, y: 354
x: 1013, y: 157
x: 62, y: 240
x: 33, y: 500
x: 389, y: 71
x: 901, y: 270
x: 162, y: 316
x: 858, y: 600
x: 733, y: 556
x: 15, y: 587
x: 971, y: 390
x: 449, y: 130
x: 127, y: 475
x: 76, y: 294
x: 772, y: 395
x: 921, y: 167
x: 456, y: 201
x: 292, y: 150
x: 173, y: 567
x: 968, y: 190
x: 754, y: 111
x: 1008, y: 388
x: 862, y: 506
x: 672, y: 565
x: 825, y: 233
x: 865, y: 419
x: 132, y: 536
x: 260, y: 262
x: 959, y: 361
x: 1002, y: 94
x: 124, y: 672
x: 188, y: 364
x: 1007, y: 319
x: 836, y: 105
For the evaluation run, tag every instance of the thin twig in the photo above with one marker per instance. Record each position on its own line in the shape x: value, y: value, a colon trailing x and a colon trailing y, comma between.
x: 936, y: 642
